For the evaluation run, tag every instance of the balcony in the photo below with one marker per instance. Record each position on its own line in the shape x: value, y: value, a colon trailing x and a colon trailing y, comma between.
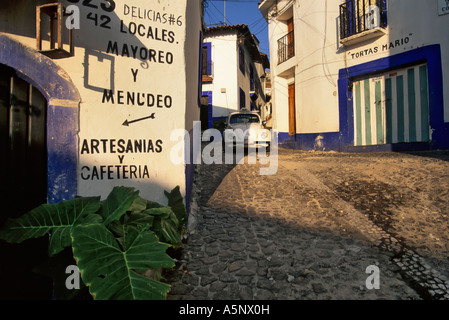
x: 360, y: 18
x: 286, y: 47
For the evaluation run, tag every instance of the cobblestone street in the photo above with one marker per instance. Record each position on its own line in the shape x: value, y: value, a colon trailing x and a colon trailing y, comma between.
x: 311, y: 230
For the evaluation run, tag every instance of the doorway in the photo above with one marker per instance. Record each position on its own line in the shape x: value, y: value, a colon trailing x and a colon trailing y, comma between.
x: 23, y: 174
x: 291, y: 110
x: 204, y: 112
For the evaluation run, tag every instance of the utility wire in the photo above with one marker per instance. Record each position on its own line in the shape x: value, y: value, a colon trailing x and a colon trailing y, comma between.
x: 221, y: 13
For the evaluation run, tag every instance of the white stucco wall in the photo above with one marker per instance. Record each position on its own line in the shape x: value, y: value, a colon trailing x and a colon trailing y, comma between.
x: 228, y: 79
x: 411, y: 24
x: 149, y: 49
x: 225, y: 67
x: 192, y: 54
x: 422, y: 25
x: 319, y: 55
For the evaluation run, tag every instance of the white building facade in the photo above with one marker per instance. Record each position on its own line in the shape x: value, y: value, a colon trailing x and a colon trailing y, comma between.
x: 359, y: 75
x: 233, y: 73
x: 105, y: 71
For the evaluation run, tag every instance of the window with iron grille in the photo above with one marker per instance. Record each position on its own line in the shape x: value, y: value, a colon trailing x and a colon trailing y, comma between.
x: 286, y: 44
x: 286, y: 47
x: 357, y: 16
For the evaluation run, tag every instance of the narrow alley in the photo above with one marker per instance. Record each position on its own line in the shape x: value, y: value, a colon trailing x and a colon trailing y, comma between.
x: 316, y: 228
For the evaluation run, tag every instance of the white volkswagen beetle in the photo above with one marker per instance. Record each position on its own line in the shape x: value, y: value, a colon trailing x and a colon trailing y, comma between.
x: 245, y: 127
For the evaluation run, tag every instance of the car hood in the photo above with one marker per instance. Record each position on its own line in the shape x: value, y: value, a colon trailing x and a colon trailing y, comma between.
x: 245, y: 130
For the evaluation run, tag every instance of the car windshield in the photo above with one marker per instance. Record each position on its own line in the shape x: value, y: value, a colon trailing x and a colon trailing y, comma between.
x: 244, y: 118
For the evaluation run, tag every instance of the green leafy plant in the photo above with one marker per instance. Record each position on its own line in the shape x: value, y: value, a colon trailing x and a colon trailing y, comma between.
x: 114, y: 241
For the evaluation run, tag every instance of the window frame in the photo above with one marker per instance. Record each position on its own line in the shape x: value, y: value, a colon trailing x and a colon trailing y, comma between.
x: 206, y: 57
x: 206, y: 48
x: 242, y: 59
x: 242, y: 99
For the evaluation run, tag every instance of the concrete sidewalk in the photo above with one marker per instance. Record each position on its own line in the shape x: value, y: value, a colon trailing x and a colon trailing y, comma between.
x: 318, y: 228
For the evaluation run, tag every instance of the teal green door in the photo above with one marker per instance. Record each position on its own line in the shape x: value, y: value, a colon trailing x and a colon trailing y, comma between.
x: 392, y: 108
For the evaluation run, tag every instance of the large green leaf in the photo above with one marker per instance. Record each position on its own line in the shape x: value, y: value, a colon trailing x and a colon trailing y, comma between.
x: 170, y: 232
x: 117, y: 203
x: 138, y: 205
x: 55, y: 219
x: 112, y: 271
x: 176, y: 203
x: 140, y: 221
x: 165, y: 225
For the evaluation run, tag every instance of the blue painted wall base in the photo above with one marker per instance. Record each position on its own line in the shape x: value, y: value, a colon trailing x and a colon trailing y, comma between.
x: 329, y: 141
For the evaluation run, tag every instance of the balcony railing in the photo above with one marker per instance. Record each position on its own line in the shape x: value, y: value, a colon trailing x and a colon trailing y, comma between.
x: 286, y: 47
x: 357, y: 16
